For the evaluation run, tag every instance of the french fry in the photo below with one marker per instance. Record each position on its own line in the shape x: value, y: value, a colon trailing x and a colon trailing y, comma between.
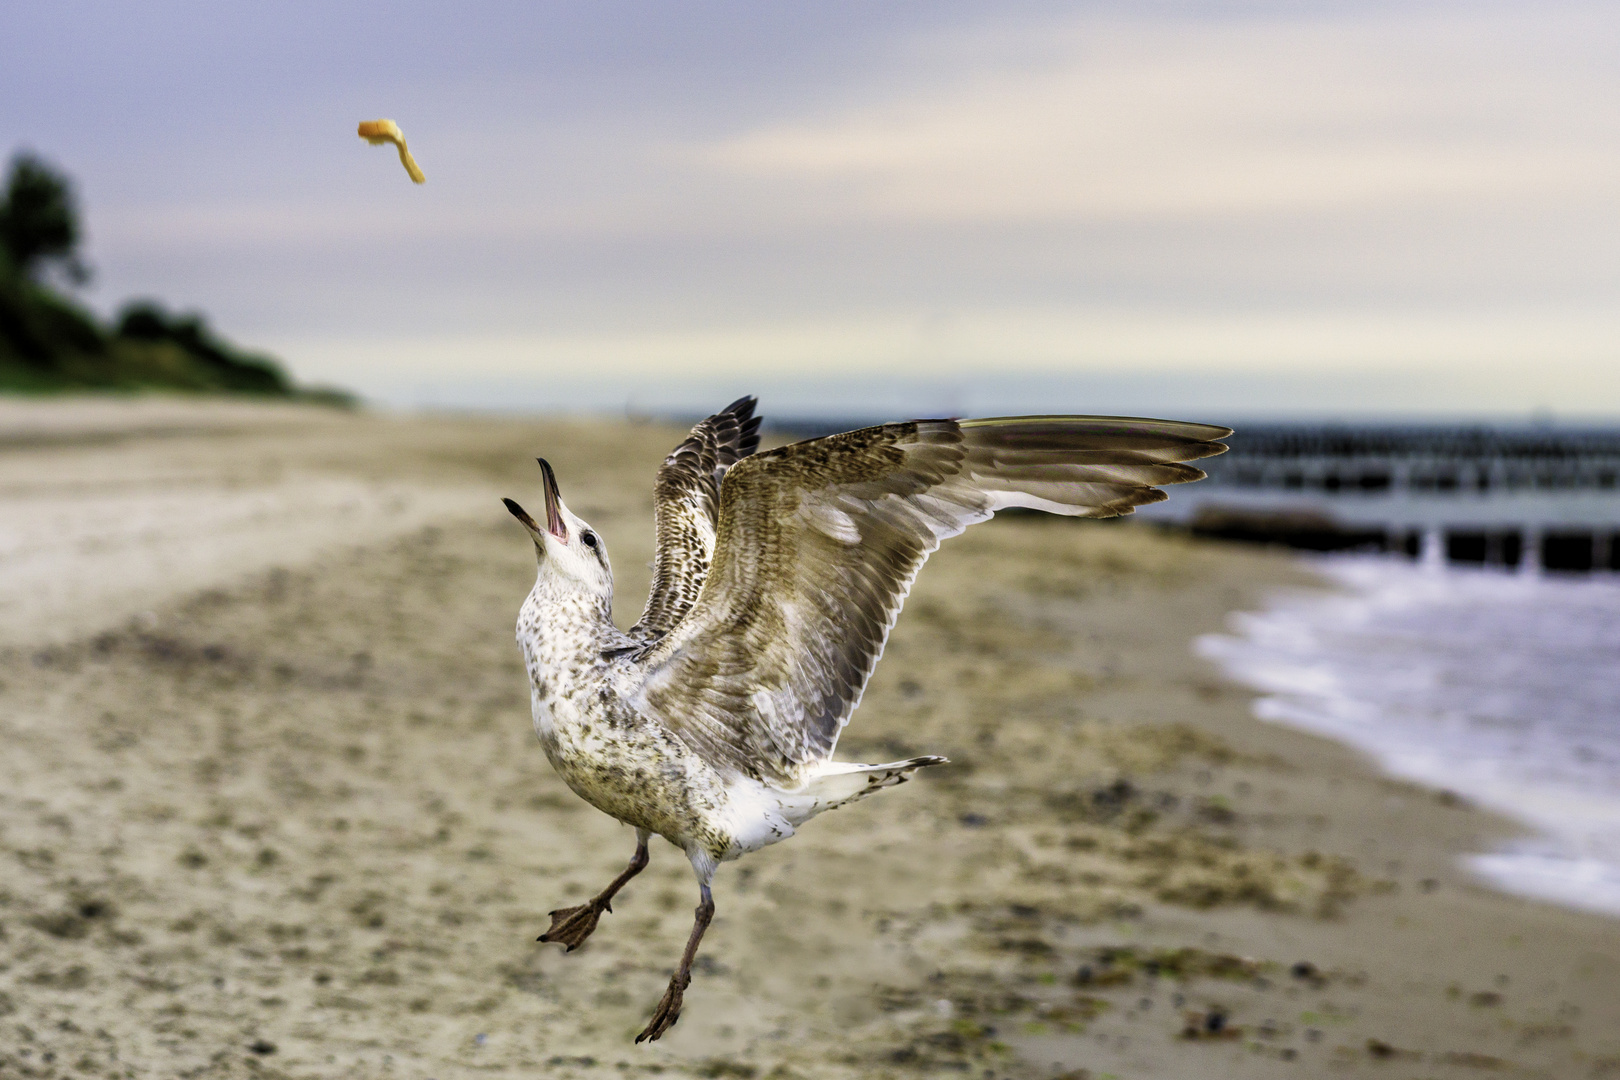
x: 378, y: 132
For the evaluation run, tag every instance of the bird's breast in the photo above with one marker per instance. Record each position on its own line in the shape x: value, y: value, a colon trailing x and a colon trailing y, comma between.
x: 544, y: 724
x: 631, y: 768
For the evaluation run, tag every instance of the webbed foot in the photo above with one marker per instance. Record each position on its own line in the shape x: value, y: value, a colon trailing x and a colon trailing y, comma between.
x: 669, y: 1007
x: 571, y: 926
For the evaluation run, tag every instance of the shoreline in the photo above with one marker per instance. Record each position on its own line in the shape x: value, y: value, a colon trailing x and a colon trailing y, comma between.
x: 1313, y: 687
x: 300, y: 806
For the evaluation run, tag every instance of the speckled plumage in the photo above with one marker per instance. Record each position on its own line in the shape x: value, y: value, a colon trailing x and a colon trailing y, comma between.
x: 713, y: 721
x: 686, y: 512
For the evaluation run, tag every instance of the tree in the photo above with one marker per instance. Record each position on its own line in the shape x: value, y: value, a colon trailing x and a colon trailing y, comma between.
x: 39, y: 220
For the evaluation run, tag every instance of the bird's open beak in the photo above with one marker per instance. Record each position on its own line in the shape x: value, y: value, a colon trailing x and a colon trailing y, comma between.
x: 554, y: 519
x: 523, y: 516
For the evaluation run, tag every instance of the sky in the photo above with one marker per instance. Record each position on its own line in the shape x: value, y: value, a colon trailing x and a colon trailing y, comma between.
x: 1189, y: 209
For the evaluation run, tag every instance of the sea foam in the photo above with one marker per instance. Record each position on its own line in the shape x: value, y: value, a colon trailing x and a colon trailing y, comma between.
x: 1502, y: 687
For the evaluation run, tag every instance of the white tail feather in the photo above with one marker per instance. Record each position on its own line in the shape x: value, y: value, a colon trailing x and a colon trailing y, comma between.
x: 838, y: 782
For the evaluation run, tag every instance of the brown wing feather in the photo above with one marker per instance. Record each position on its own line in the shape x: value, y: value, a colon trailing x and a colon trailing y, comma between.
x: 819, y: 542
x: 686, y: 512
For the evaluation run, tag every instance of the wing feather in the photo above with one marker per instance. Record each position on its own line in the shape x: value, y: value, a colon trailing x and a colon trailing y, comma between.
x: 686, y: 512
x: 817, y: 545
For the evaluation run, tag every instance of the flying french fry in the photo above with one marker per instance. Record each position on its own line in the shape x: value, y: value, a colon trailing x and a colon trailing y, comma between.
x: 377, y: 132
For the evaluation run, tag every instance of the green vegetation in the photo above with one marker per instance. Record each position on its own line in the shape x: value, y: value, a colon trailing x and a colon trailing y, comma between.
x: 50, y: 343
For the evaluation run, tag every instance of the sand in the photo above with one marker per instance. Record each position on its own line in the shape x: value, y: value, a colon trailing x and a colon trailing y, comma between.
x: 270, y: 804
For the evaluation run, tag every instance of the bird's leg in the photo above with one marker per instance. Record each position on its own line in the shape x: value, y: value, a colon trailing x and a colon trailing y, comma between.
x: 571, y: 926
x: 669, y: 1008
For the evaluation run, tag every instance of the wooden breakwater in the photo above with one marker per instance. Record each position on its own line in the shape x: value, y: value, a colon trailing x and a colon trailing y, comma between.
x: 1524, y: 497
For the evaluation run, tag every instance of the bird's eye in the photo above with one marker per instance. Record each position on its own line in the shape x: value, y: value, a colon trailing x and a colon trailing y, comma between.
x: 589, y: 539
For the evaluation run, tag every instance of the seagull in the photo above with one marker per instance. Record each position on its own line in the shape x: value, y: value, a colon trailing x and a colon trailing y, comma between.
x: 778, y: 576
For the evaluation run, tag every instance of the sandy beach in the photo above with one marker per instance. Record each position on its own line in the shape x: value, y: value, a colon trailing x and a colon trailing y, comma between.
x: 271, y: 804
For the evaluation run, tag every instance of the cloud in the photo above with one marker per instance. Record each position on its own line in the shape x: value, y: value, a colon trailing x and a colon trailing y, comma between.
x: 1157, y: 117
x: 1484, y: 344
x: 1249, y: 191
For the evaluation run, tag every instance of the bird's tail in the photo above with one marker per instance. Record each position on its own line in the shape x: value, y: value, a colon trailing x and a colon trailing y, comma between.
x: 838, y: 782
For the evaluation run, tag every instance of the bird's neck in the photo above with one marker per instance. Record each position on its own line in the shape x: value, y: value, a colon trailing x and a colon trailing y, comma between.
x: 563, y: 635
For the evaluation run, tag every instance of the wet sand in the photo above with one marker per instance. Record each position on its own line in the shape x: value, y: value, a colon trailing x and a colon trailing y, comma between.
x: 270, y: 804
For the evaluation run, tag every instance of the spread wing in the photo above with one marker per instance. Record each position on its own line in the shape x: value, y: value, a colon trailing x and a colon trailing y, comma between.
x: 686, y: 512
x: 818, y: 544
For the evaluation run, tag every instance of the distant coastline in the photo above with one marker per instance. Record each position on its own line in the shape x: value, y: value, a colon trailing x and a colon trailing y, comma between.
x: 51, y: 344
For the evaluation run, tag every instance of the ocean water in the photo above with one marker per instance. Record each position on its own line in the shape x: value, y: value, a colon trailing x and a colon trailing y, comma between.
x: 1503, y: 688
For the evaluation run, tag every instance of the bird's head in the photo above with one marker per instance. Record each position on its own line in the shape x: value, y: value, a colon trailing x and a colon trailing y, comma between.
x: 571, y: 555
